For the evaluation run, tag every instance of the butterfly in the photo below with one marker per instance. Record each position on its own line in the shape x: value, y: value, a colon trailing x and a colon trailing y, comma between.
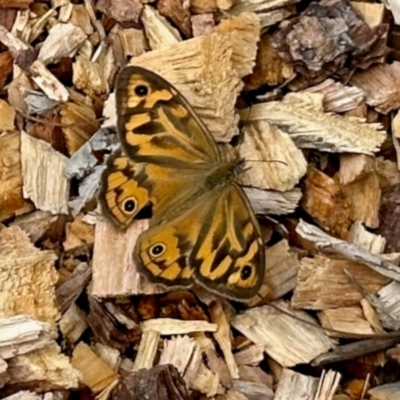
x: 202, y: 229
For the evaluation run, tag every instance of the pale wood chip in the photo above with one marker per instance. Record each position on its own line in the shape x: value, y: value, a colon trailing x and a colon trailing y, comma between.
x: 169, y: 326
x: 7, y: 116
x: 73, y: 324
x: 373, y: 13
x: 385, y: 391
x: 311, y: 128
x: 286, y: 340
x: 365, y: 239
x: 43, y: 173
x: 147, y: 350
x: 292, y: 384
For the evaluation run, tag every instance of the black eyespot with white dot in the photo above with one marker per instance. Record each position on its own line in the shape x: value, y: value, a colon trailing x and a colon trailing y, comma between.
x: 157, y: 249
x: 141, y: 90
x: 129, y: 205
x: 246, y: 272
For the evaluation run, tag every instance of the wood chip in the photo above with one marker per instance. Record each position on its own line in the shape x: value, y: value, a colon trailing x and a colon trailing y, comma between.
x: 169, y: 326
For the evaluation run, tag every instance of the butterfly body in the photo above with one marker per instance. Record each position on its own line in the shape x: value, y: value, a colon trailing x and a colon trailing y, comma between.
x: 202, y: 228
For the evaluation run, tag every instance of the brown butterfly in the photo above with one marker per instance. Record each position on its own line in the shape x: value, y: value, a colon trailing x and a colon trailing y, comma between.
x: 202, y: 229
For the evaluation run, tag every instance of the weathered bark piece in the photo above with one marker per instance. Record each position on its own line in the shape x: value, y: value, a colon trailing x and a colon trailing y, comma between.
x: 73, y: 323
x: 281, y: 271
x: 43, y: 369
x: 278, y: 167
x: 78, y: 233
x: 365, y: 239
x: 381, y: 85
x: 202, y: 24
x: 326, y: 243
x: 114, y: 273
x: 20, y: 335
x: 253, y: 390
x: 21, y: 4
x: 385, y: 392
x: 272, y: 202
x: 160, y: 33
x: 338, y: 98
x: 147, y: 350
x: 96, y: 374
x: 311, y: 128
x: 251, y: 355
x: 323, y: 284
x: 133, y: 42
x: 169, y: 326
x: 71, y: 289
x: 159, y: 383
x: 55, y: 46
x: 223, y: 337
x: 345, y: 319
x: 27, y: 278
x: 43, y: 173
x: 270, y: 69
x: 12, y: 201
x: 269, y: 12
x: 292, y: 384
x: 122, y: 11
x: 326, y: 202
x: 178, y: 12
x: 278, y: 332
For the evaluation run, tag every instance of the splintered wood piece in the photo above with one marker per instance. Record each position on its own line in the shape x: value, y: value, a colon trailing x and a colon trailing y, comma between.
x: 278, y: 332
x: 311, y: 128
x: 160, y: 33
x: 181, y: 352
x: 158, y: 383
x: 73, y: 323
x: 89, y: 77
x: 269, y: 12
x: 338, y: 98
x: 293, y: 385
x: 55, y: 46
x: 325, y: 201
x: 365, y: 239
x: 12, y: 201
x: 381, y: 85
x: 354, y: 167
x: 223, y: 337
x: 147, y: 350
x: 345, y: 319
x: 364, y: 199
x: 210, y: 86
x: 253, y: 390
x: 7, y: 116
x: 371, y: 316
x: 251, y: 355
x: 78, y: 233
x: 278, y: 167
x: 79, y: 124
x: 386, y: 391
x: 27, y: 277
x: 244, y: 31
x: 108, y: 354
x: 72, y: 288
x: 281, y: 271
x: 255, y: 374
x: 329, y: 244
x: 328, y: 385
x: 169, y: 326
x: 203, y: 6
x: 21, y: 4
x: 270, y: 69
x: 205, y: 381
x: 178, y: 12
x: 218, y: 366
x: 44, y: 369
x: 389, y: 296
x: 114, y: 272
x: 96, y: 374
x: 271, y: 202
x: 43, y: 171
x: 46, y: 81
x: 322, y: 283
x: 80, y: 16
x: 20, y: 334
